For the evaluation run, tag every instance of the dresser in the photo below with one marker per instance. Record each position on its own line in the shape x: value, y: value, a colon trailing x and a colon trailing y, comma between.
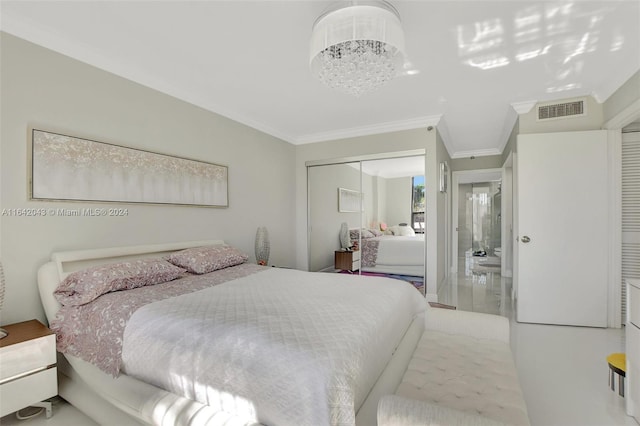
x: 28, y: 373
x: 632, y: 332
x: 347, y: 260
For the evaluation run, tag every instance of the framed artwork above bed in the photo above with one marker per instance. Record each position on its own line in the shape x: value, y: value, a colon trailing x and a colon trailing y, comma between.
x: 75, y: 169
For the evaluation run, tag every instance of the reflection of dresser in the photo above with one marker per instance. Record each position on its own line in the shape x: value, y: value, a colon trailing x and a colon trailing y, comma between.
x: 633, y: 348
x: 347, y: 260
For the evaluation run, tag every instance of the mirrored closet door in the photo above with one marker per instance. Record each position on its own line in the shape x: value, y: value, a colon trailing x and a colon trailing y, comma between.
x: 381, y: 203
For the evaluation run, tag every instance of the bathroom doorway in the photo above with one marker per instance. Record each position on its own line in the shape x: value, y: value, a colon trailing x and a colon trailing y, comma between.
x: 479, y: 227
x: 477, y: 222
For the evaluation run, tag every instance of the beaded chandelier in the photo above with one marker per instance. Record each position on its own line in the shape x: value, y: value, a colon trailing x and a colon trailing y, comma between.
x: 357, y: 46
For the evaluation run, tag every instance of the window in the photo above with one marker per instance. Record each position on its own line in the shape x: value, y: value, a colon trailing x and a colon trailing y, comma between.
x: 417, y: 204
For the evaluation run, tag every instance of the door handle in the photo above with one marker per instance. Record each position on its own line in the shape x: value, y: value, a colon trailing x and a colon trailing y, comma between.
x: 525, y: 239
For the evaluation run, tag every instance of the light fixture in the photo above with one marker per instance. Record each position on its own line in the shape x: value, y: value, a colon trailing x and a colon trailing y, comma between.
x: 357, y: 46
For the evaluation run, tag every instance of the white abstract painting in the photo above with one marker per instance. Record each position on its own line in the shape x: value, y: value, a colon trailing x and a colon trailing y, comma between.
x: 68, y: 168
x: 349, y: 201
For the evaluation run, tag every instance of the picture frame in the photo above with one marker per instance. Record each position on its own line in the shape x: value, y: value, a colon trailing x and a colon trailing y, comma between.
x: 68, y: 168
x: 350, y: 201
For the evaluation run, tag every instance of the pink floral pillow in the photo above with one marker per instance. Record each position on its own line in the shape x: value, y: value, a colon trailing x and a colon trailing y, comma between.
x: 202, y: 260
x: 84, y: 286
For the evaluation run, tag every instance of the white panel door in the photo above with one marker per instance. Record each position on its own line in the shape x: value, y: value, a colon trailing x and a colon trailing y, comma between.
x: 563, y: 226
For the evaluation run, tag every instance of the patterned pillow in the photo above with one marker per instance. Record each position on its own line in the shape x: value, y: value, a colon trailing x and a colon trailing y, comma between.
x: 202, y: 260
x: 354, y: 234
x: 375, y: 232
x: 83, y: 286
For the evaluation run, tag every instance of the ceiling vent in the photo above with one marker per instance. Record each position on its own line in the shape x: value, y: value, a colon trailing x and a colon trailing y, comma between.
x: 567, y: 109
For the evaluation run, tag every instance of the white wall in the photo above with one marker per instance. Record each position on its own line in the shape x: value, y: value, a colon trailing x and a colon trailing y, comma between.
x: 325, y: 219
x: 43, y: 89
x: 437, y: 214
x: 398, y: 201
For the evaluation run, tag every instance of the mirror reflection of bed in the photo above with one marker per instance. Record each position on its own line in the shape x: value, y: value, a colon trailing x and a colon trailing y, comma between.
x: 387, y: 231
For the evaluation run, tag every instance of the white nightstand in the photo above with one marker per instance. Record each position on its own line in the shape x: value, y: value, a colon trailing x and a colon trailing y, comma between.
x: 28, y: 373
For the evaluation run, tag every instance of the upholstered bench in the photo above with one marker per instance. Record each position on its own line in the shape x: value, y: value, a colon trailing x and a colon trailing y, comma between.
x: 462, y: 373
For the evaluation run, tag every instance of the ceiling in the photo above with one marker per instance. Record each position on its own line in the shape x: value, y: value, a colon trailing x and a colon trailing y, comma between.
x: 248, y: 60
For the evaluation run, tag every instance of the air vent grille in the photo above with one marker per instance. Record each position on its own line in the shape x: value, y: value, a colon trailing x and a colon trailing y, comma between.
x: 568, y: 109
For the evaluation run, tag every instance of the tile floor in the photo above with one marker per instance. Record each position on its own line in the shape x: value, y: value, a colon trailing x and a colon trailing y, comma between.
x: 562, y: 370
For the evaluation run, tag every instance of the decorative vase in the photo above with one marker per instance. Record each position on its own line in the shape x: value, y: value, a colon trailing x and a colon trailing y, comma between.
x: 262, y: 246
x: 345, y: 241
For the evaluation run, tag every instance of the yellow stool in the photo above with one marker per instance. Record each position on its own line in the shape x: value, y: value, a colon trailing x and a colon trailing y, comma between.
x: 617, y: 364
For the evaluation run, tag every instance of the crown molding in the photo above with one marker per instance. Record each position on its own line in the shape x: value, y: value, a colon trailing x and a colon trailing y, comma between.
x: 476, y: 153
x: 391, y: 126
x: 25, y: 29
x: 524, y: 106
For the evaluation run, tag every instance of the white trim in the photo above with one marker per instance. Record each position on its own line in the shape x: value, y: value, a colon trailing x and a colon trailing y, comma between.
x: 367, y: 157
x: 477, y: 153
x: 624, y: 117
x: 614, y: 153
x: 627, y: 116
x: 25, y: 29
x: 374, y: 129
x: 475, y: 176
x: 523, y: 107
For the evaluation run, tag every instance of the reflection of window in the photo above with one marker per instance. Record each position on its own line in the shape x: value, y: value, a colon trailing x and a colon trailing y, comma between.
x: 417, y: 204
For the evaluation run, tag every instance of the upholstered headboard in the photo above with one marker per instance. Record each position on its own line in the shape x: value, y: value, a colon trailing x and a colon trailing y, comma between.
x: 65, y: 262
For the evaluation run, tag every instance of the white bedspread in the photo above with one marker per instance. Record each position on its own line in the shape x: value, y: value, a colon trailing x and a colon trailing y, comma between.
x: 281, y: 347
x: 401, y: 250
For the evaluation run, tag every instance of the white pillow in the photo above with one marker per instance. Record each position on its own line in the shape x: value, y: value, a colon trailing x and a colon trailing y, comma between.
x: 403, y: 231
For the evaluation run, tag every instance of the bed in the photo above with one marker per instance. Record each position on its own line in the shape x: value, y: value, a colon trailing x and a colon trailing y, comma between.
x: 394, y: 254
x: 302, y: 353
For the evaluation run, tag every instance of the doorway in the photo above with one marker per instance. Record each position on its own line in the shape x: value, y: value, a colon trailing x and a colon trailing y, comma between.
x: 479, y: 227
x: 477, y: 221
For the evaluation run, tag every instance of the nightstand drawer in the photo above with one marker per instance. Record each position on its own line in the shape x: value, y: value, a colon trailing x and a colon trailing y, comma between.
x: 24, y: 357
x: 17, y: 394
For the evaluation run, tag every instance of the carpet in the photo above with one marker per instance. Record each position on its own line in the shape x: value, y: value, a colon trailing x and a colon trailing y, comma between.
x: 417, y: 282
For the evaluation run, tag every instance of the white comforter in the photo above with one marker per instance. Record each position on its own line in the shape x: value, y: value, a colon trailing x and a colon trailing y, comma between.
x: 280, y: 347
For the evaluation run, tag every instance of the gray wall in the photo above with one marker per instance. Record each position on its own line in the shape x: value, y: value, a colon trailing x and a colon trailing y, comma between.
x: 47, y: 90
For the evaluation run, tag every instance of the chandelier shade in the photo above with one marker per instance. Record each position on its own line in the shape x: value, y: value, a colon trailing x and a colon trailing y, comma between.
x: 357, y: 47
